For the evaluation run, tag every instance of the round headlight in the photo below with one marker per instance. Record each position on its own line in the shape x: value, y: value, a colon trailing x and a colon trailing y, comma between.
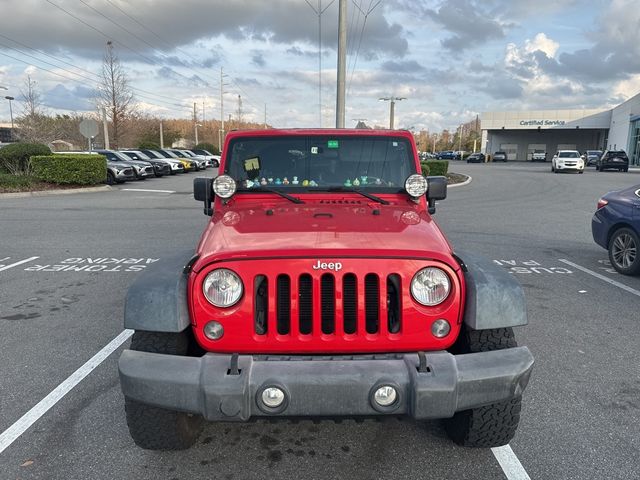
x: 222, y: 288
x: 430, y: 286
x: 224, y: 186
x: 416, y: 185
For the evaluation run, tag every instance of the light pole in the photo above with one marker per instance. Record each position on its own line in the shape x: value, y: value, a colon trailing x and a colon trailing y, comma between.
x: 392, y: 107
x: 10, y: 113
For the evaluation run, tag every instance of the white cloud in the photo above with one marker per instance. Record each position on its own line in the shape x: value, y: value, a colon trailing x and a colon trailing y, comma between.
x: 627, y: 88
x: 543, y: 43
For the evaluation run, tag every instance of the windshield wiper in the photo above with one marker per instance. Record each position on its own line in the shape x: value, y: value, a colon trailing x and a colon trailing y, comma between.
x: 353, y: 190
x: 277, y: 192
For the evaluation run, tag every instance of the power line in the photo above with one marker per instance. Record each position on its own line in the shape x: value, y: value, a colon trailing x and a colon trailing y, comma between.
x: 135, y: 36
x: 141, y: 24
x: 132, y: 18
x: 364, y: 24
x: 73, y: 65
x: 108, y: 37
x: 74, y: 73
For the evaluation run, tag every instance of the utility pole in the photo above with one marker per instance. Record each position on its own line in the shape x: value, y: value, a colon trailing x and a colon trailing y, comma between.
x: 221, y: 130
x: 106, y: 129
x: 342, y: 63
x: 319, y: 11
x: 195, y: 121
x: 239, y: 110
x: 460, y: 141
x: 265, y: 116
x: 161, y: 136
x: 435, y: 136
x: 392, y: 108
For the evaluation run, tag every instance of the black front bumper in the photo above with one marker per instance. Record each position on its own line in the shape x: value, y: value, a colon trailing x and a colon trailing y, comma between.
x: 324, y: 386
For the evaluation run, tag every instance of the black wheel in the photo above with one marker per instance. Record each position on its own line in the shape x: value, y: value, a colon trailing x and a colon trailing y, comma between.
x: 111, y: 179
x: 581, y: 171
x: 623, y: 251
x: 492, y: 425
x: 625, y: 169
x: 485, y: 427
x: 154, y: 428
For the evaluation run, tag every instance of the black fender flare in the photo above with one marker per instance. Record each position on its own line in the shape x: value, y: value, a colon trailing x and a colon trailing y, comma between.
x: 157, y: 299
x: 494, y: 298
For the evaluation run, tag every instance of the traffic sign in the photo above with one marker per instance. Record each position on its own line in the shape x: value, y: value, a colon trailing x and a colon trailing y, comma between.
x: 88, y: 128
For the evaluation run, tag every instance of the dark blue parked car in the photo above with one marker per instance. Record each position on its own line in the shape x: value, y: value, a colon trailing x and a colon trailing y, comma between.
x: 616, y: 227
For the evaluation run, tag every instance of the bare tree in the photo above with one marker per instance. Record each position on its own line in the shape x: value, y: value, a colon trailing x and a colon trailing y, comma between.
x: 31, y: 98
x: 34, y: 125
x: 114, y: 93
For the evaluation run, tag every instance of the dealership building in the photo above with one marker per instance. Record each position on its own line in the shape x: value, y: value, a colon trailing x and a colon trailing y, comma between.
x: 521, y: 133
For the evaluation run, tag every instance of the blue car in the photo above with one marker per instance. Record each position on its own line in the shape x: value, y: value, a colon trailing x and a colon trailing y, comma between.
x: 616, y: 227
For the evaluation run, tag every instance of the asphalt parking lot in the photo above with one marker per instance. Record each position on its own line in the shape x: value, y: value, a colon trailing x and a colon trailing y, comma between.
x: 66, y: 262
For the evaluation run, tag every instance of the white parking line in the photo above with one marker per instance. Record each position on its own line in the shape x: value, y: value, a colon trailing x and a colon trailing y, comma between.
x: 602, y: 277
x: 510, y: 464
x: 26, y: 260
x: 146, y: 190
x: 43, y: 406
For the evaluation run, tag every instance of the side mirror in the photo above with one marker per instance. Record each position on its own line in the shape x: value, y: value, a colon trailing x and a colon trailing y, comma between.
x: 203, y: 192
x: 437, y: 191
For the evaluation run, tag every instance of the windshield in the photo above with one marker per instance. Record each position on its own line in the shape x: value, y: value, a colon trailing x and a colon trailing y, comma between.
x: 114, y: 156
x: 594, y: 152
x: 138, y: 155
x: 131, y: 155
x: 201, y: 152
x: 569, y: 155
x: 320, y: 162
x: 178, y: 153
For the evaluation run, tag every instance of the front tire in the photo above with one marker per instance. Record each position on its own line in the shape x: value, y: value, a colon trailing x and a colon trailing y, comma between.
x: 623, y: 251
x: 111, y: 179
x: 492, y: 425
x: 154, y: 428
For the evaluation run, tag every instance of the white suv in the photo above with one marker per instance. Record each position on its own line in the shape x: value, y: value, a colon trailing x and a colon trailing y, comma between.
x: 565, y: 160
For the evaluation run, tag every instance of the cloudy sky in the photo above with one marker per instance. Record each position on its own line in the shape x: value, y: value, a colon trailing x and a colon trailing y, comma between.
x: 451, y: 59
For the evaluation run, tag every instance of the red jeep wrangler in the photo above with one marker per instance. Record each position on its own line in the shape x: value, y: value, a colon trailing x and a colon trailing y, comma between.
x: 322, y: 287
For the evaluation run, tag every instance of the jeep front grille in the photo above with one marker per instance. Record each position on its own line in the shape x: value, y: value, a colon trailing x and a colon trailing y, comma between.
x: 328, y: 288
x: 289, y: 305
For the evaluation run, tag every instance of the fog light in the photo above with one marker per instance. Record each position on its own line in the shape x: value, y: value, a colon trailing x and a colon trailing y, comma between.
x: 385, y: 395
x: 213, y: 331
x: 272, y: 397
x: 440, y: 328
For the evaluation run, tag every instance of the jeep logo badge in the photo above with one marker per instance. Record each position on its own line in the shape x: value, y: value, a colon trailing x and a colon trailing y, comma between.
x: 335, y: 266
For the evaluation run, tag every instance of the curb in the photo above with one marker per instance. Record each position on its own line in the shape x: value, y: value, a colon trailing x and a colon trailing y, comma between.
x: 462, y: 184
x: 45, y: 193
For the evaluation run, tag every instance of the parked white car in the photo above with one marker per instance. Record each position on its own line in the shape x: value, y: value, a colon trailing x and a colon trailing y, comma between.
x: 567, y: 160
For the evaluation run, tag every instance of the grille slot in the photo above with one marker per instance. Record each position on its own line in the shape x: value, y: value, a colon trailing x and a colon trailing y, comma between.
x: 283, y: 304
x: 394, y: 303
x: 305, y: 303
x: 350, y: 302
x: 260, y: 304
x: 371, y: 302
x: 328, y: 303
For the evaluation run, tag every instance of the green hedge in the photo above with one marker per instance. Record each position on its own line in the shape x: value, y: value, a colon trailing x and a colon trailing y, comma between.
x: 435, y: 167
x: 75, y: 169
x: 14, y: 158
x: 9, y: 181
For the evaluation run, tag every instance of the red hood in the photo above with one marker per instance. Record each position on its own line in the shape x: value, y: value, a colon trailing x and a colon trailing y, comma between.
x: 328, y: 227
